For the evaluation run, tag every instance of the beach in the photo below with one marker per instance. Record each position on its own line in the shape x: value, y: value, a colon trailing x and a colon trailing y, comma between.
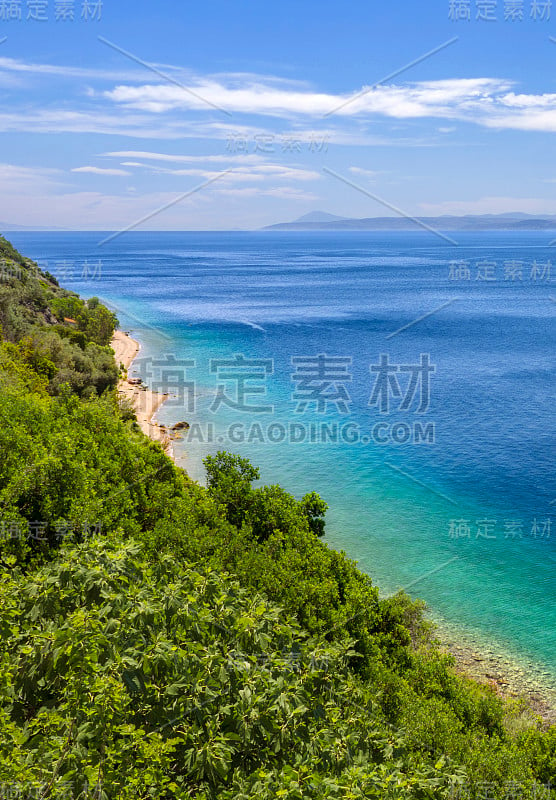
x: 489, y: 668
x: 486, y: 665
x: 144, y: 400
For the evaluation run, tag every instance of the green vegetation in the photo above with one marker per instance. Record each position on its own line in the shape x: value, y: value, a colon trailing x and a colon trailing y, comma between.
x: 163, y: 640
x: 60, y: 336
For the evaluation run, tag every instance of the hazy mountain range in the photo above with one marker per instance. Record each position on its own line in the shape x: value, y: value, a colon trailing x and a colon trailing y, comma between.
x: 320, y: 220
x: 6, y: 227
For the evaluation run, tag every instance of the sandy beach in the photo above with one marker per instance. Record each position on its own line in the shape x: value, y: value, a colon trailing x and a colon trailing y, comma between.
x: 489, y: 668
x: 145, y: 402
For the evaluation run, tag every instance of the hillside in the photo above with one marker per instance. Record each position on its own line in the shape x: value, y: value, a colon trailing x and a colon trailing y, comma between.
x: 165, y: 640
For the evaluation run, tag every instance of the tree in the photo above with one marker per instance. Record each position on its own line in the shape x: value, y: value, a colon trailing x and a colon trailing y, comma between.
x: 314, y: 508
x: 229, y: 479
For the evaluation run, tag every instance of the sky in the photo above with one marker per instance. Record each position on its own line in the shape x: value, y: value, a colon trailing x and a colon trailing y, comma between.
x: 172, y: 115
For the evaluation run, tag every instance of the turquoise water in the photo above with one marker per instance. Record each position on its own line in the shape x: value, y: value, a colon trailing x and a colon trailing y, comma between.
x: 451, y: 496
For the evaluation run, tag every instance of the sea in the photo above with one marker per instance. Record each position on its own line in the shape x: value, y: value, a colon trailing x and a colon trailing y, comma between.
x: 407, y: 377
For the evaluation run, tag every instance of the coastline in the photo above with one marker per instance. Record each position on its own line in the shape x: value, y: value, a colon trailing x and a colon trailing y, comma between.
x: 145, y: 402
x: 487, y: 666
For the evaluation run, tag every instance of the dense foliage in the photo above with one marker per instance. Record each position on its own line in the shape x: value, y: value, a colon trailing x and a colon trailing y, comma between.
x: 147, y: 679
x: 62, y: 337
x: 160, y: 639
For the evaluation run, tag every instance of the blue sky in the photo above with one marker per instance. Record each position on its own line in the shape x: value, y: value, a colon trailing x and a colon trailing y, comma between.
x: 244, y: 106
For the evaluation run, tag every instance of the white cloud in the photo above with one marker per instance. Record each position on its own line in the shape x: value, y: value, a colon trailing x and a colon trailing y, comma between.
x: 101, y: 171
x: 14, y: 65
x: 35, y: 196
x: 212, y: 159
x: 16, y: 178
x: 490, y: 205
x: 118, y: 122
x: 144, y: 126
x: 413, y: 100
x: 523, y: 120
x: 250, y: 99
x: 246, y: 170
x: 489, y: 102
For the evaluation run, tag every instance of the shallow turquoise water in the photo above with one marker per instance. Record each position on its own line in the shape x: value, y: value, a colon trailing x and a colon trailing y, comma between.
x: 453, y: 496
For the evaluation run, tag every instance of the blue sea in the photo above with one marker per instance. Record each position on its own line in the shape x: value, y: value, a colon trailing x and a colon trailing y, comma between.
x: 408, y: 379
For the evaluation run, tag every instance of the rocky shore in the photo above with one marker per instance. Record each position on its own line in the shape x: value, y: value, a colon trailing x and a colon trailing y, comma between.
x: 510, y: 679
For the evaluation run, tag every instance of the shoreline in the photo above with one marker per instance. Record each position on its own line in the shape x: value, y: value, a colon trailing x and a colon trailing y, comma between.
x: 145, y: 402
x: 489, y: 664
x: 489, y: 667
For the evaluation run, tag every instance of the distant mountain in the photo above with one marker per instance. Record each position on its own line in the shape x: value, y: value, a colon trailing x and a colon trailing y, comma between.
x: 319, y: 220
x: 318, y: 216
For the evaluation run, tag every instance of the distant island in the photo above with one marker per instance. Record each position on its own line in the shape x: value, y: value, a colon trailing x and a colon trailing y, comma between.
x: 513, y: 221
x: 14, y: 227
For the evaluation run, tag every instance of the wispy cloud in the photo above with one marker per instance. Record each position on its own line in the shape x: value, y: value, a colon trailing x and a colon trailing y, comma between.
x: 489, y: 102
x: 243, y: 158
x: 219, y: 208
x: 165, y: 76
x: 101, y: 171
x: 21, y: 179
x: 40, y: 196
x: 15, y: 65
x: 281, y: 192
x: 429, y: 98
x: 246, y: 172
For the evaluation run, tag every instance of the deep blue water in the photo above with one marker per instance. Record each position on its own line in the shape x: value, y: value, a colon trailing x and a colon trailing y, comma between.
x: 452, y: 496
